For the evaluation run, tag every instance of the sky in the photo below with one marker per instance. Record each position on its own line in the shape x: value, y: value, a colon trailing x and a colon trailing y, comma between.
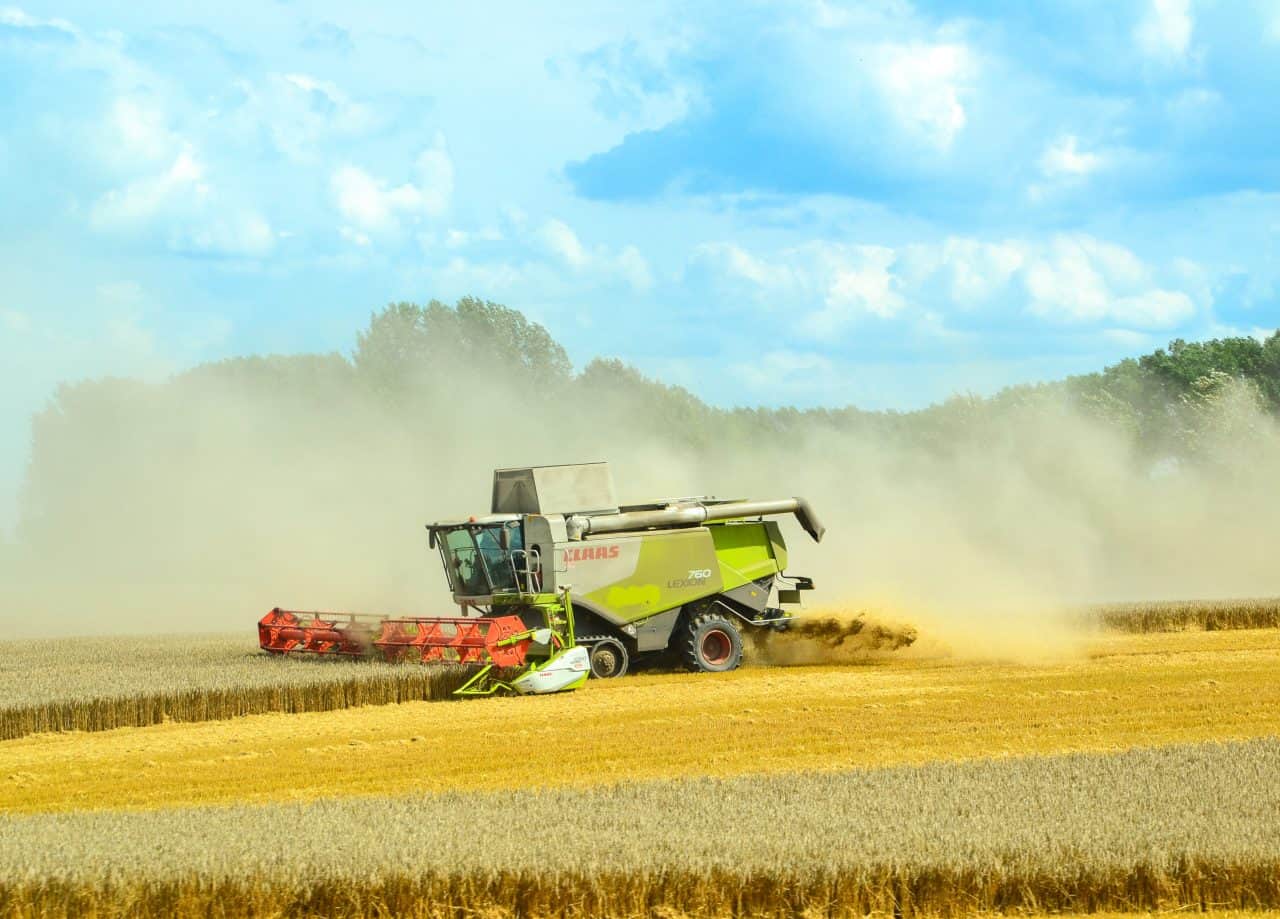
x: 810, y: 203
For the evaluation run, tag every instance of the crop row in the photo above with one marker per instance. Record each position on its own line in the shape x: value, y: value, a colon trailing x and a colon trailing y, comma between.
x: 1176, y: 827
x: 103, y: 683
x: 1176, y: 616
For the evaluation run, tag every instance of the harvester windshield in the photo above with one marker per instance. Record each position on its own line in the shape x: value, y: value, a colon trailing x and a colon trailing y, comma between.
x: 483, y: 559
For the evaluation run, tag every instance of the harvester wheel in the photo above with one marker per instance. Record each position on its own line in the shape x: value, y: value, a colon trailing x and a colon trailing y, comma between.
x: 608, y: 659
x: 711, y: 643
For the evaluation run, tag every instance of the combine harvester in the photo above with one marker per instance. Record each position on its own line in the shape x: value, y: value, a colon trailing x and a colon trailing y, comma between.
x: 559, y: 582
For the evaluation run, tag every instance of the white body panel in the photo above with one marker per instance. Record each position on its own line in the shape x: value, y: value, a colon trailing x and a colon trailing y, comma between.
x: 562, y: 670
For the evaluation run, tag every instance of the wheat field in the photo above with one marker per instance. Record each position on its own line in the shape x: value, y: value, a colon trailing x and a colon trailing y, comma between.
x: 1170, y: 616
x: 1138, y: 772
x: 96, y: 684
x: 100, y: 684
x: 1087, y: 831
x: 1134, y: 690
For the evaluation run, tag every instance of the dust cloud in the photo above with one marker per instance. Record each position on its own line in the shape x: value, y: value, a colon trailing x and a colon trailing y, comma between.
x: 832, y: 638
x: 198, y: 504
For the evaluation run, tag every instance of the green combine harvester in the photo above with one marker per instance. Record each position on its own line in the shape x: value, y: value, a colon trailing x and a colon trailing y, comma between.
x: 559, y: 582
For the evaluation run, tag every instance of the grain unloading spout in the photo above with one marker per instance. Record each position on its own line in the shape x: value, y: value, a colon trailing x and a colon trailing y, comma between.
x: 695, y: 513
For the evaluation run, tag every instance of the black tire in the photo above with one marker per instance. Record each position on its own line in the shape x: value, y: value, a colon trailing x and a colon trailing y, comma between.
x: 608, y: 659
x: 710, y: 643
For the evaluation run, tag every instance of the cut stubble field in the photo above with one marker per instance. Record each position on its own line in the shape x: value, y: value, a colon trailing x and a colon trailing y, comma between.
x: 1129, y: 691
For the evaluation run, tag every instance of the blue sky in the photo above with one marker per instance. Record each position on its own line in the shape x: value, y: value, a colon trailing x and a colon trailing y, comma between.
x: 878, y: 203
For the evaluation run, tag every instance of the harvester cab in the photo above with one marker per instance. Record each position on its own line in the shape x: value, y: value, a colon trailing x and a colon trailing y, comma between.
x: 559, y: 582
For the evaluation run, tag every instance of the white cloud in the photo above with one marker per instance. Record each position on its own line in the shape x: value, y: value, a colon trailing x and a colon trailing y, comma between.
x: 562, y: 241
x: 627, y: 263
x: 922, y: 85
x: 1064, y: 158
x: 300, y: 113
x: 372, y: 208
x: 973, y: 271
x: 12, y: 16
x: 180, y: 204
x: 1164, y: 33
x: 1155, y: 309
x: 246, y: 234
x: 735, y: 262
x: 861, y: 284
x: 137, y: 129
x: 167, y: 189
x: 847, y: 281
x: 1081, y: 279
x: 458, y: 239
x: 1066, y: 280
x: 632, y: 267
x: 139, y: 201
x: 638, y: 81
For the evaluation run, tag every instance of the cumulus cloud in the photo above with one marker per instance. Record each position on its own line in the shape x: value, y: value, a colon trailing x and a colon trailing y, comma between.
x: 1067, y: 280
x: 371, y: 207
x: 860, y: 282
x: 974, y: 270
x: 562, y: 241
x: 178, y: 185
x: 180, y: 204
x: 627, y: 263
x: 136, y: 129
x: 847, y: 282
x: 733, y: 261
x: 1081, y: 279
x: 923, y: 85
x: 301, y: 113
x: 20, y: 19
x: 1164, y: 32
x: 1064, y: 158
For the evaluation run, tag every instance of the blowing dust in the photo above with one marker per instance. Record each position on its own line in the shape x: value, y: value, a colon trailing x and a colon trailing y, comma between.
x: 198, y: 504
x: 841, y: 638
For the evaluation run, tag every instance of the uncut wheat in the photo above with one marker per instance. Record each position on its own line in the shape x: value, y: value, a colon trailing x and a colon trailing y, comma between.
x: 92, y: 684
x: 1194, y: 825
x: 1173, y: 616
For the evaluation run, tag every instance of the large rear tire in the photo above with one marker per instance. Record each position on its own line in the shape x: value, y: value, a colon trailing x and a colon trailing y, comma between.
x: 710, y: 643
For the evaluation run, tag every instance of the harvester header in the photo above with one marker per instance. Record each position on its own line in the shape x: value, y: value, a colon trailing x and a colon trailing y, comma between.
x: 583, y: 584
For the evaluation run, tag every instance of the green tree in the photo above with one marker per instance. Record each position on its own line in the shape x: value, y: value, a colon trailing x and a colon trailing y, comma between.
x: 409, y: 348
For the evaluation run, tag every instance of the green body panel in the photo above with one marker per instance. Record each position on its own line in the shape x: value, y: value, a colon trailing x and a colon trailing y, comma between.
x: 777, y: 542
x: 663, y: 570
x: 745, y: 552
x: 670, y: 569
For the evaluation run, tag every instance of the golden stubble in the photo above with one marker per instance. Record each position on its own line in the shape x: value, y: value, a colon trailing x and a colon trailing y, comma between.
x: 1127, y: 691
